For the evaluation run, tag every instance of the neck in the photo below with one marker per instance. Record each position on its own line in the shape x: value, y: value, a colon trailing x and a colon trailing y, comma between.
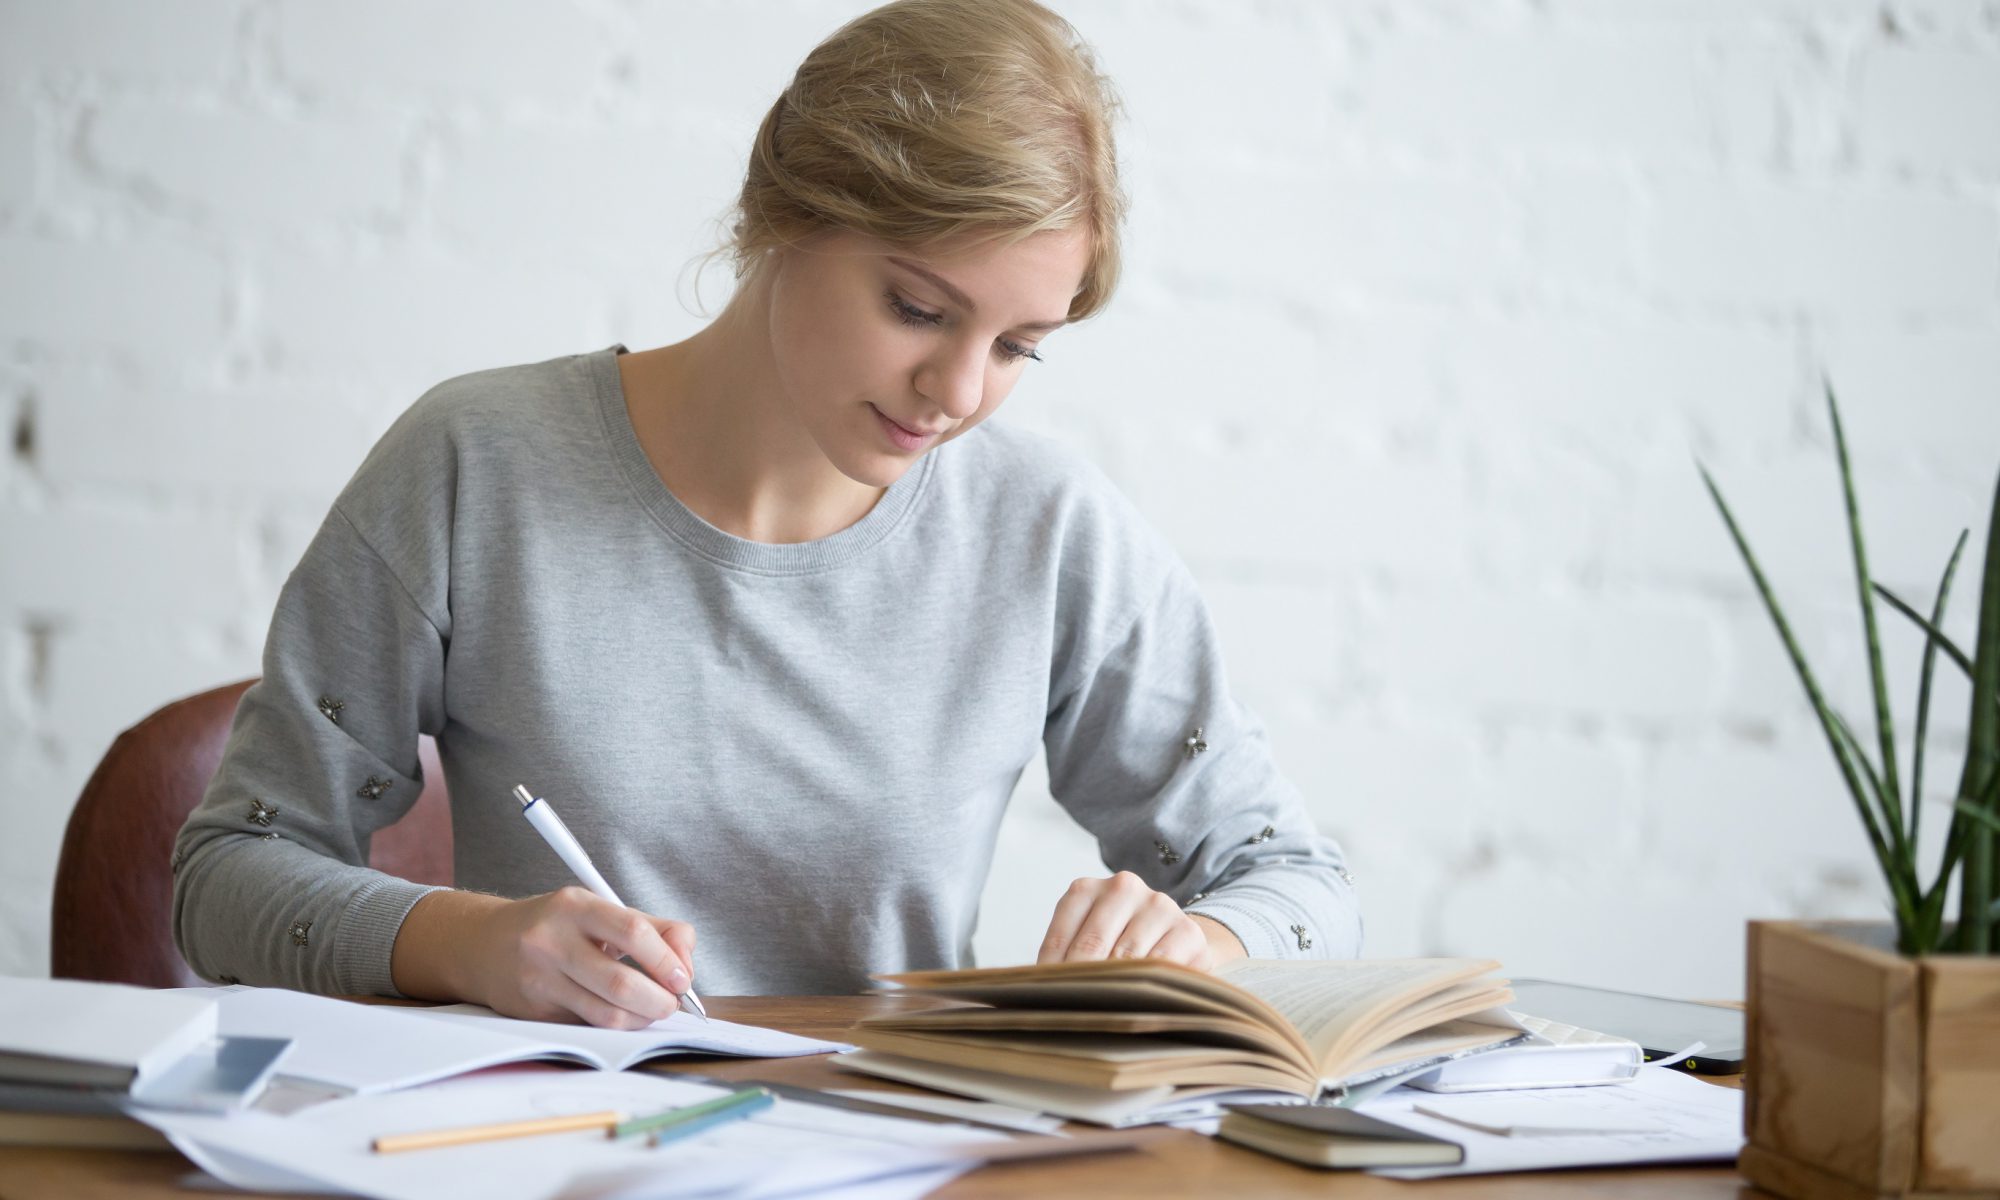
x: 712, y: 416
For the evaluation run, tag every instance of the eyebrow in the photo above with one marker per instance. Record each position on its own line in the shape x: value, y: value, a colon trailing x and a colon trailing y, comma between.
x: 961, y: 299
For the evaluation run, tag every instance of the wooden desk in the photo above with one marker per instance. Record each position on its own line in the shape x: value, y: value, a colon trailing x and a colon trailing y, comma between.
x: 1182, y: 1164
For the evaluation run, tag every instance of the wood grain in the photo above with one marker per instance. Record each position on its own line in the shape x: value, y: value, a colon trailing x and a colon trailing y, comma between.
x: 1961, y: 1073
x: 1870, y: 1074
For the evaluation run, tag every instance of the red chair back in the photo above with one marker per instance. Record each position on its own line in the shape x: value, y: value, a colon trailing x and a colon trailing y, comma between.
x: 113, y: 915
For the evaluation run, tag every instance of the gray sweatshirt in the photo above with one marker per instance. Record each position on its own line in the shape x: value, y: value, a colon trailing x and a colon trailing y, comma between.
x: 804, y: 750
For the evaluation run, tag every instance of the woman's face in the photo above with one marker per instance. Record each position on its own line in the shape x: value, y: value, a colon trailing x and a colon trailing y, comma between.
x: 880, y: 362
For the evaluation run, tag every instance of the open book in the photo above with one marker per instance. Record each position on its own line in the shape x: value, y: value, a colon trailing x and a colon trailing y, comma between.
x: 1303, y: 1028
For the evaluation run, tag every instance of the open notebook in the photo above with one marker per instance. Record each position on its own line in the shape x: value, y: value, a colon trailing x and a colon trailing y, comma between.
x: 373, y: 1048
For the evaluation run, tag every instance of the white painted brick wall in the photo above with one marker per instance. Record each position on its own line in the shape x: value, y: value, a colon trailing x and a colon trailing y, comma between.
x: 1431, y: 306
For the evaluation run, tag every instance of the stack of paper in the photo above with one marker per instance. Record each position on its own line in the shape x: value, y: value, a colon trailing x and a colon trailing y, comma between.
x: 71, y: 1031
x: 77, y: 1047
x: 1662, y: 1115
x: 1559, y: 1055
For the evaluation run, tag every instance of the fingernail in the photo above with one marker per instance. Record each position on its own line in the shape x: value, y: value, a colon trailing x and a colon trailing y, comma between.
x: 677, y: 981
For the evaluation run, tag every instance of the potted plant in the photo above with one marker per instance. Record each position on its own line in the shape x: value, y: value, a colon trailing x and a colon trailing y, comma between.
x: 1873, y: 1064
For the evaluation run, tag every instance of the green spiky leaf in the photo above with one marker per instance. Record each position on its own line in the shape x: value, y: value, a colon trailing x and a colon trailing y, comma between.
x: 1924, y: 686
x: 1878, y: 677
x: 1806, y: 679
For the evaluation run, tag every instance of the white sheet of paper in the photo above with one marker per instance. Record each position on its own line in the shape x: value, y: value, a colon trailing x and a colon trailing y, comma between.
x: 1701, y: 1123
x: 1525, y: 1118
x: 373, y: 1047
x: 329, y: 1143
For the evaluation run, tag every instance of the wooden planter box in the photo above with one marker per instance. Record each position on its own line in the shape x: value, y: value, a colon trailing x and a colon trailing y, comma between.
x: 1869, y: 1074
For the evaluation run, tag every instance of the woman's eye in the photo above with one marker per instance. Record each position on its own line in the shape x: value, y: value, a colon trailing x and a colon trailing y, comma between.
x: 908, y: 314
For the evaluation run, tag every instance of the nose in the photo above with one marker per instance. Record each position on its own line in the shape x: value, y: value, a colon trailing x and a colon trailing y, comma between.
x: 954, y: 380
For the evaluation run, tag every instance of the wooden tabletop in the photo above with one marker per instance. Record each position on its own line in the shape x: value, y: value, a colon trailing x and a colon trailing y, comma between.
x: 1178, y: 1164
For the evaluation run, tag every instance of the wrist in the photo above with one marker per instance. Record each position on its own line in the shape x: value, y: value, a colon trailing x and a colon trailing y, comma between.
x: 436, y: 953
x: 1223, y: 945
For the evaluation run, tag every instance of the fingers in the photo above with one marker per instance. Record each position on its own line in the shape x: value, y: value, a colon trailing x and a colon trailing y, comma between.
x: 1070, y: 911
x: 679, y: 937
x: 1157, y: 918
x: 629, y: 931
x: 558, y: 956
x: 625, y: 987
x: 1119, y: 917
x: 608, y: 930
x: 1188, y: 945
x: 588, y: 1006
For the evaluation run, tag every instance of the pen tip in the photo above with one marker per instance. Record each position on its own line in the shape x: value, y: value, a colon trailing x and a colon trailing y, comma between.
x: 522, y: 794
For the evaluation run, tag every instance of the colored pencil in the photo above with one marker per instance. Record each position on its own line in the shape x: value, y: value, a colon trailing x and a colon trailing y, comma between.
x: 674, y: 1133
x: 397, y: 1142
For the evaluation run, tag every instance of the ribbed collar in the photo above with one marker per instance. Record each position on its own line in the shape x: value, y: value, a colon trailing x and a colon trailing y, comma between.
x: 726, y: 549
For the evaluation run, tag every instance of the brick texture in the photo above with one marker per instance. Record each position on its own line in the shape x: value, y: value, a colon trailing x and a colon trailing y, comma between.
x: 1430, y: 309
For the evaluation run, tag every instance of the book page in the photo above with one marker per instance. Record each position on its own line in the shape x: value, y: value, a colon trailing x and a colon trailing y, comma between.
x: 1125, y: 985
x: 1327, y: 1001
x: 1192, y: 1026
x: 1448, y: 1037
x: 1105, y: 995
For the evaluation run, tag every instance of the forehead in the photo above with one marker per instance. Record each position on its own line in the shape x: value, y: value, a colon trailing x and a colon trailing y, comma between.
x: 1054, y: 255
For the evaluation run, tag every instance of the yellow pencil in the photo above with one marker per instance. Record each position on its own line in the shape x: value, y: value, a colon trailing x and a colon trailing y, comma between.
x: 396, y: 1142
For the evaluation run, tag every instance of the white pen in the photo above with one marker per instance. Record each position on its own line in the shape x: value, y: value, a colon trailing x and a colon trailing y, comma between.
x: 543, y: 817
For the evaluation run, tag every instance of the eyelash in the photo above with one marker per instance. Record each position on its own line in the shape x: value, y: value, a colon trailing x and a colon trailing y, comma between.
x: 909, y: 315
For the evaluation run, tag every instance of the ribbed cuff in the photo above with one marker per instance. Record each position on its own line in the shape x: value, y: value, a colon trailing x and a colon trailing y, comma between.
x: 368, y: 935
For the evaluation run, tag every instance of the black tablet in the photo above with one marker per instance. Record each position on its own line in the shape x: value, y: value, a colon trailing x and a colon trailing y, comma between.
x: 1662, y: 1027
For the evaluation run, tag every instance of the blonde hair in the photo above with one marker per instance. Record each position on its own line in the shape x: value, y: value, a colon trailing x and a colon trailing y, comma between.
x: 935, y: 123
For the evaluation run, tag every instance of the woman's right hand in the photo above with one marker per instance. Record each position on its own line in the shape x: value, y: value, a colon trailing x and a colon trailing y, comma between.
x: 553, y: 957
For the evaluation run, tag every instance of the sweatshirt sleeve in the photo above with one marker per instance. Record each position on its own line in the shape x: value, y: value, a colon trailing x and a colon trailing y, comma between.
x: 1148, y: 750
x: 271, y: 882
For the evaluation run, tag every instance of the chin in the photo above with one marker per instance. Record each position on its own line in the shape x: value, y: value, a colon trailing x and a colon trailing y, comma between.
x: 876, y: 470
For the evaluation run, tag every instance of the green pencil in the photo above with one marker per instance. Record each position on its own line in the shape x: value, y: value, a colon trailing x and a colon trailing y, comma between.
x: 693, y: 1112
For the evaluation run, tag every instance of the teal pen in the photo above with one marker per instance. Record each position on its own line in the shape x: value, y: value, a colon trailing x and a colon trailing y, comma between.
x: 750, y: 1106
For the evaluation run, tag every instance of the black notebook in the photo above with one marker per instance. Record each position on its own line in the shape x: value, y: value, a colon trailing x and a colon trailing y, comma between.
x: 1324, y: 1136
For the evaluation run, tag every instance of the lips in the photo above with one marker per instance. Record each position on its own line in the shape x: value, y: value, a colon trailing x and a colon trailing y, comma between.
x: 902, y: 436
x: 911, y: 430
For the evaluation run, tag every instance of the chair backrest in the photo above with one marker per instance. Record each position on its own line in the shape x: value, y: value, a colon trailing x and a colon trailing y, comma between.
x: 113, y: 915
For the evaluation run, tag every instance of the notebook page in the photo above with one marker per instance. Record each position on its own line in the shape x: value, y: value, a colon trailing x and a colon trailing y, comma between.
x: 618, y: 1049
x: 373, y: 1048
x: 366, y: 1048
x: 1325, y: 1000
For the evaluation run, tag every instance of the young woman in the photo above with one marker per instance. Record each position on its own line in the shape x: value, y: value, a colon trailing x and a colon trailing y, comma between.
x: 773, y: 615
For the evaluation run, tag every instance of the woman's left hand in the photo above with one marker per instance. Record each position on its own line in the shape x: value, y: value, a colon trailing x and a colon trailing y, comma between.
x: 1121, y: 917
